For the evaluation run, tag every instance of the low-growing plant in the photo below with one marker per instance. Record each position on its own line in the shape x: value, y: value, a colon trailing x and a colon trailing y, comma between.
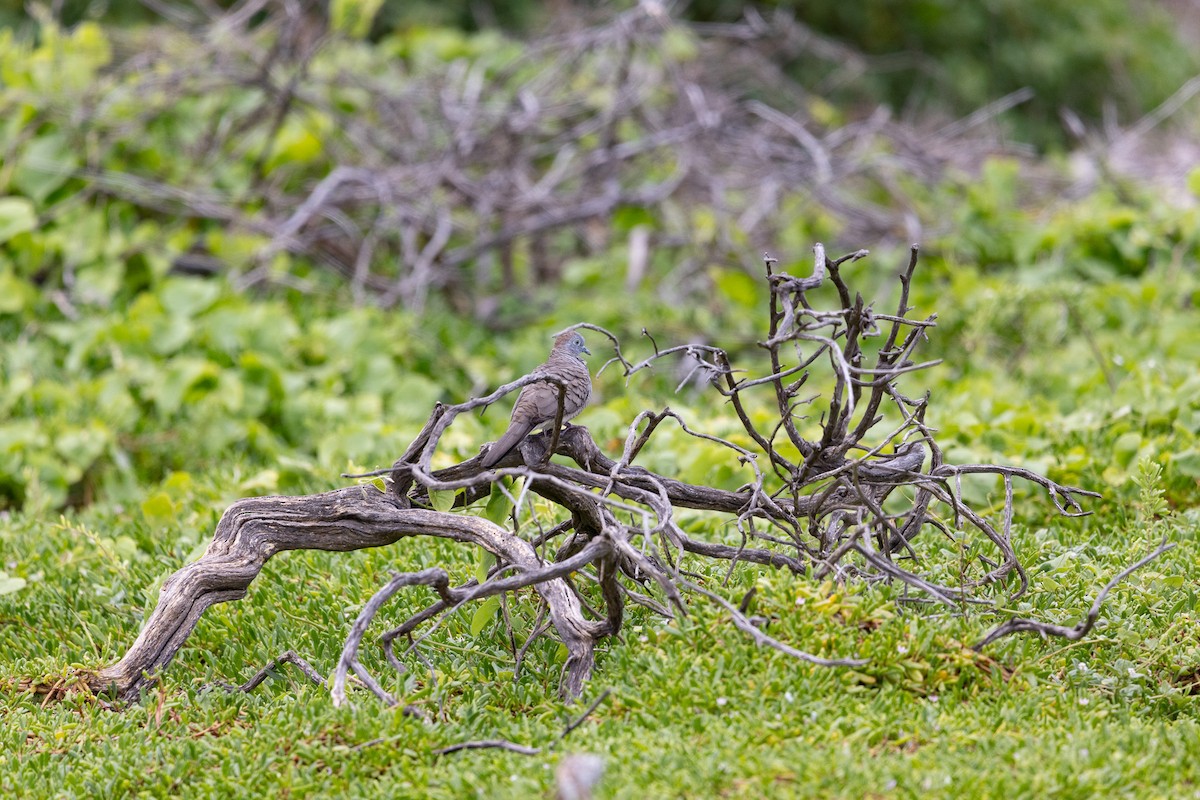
x: 832, y: 499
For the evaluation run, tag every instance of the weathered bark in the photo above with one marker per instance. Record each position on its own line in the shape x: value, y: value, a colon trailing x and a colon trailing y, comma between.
x: 824, y: 510
x: 254, y: 529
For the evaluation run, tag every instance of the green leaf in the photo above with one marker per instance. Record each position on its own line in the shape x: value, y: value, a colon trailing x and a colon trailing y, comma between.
x: 9, y: 585
x: 178, y: 483
x: 483, y: 562
x: 125, y: 547
x: 679, y: 43
x: 626, y: 218
x: 16, y: 216
x: 442, y: 500
x: 46, y: 164
x: 294, y: 145
x: 498, y: 505
x: 1193, y: 181
x: 181, y: 378
x: 158, y: 509
x: 83, y: 446
x: 484, y: 614
x: 187, y: 297
x: 15, y: 294
x: 1186, y: 463
x: 1126, y: 447
x: 196, y: 552
x: 353, y: 18
x: 171, y: 333
x: 263, y: 482
x: 737, y: 286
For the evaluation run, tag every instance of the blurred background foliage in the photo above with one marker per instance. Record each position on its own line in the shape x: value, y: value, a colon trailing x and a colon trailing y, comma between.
x: 934, y: 56
x: 918, y: 56
x: 133, y: 348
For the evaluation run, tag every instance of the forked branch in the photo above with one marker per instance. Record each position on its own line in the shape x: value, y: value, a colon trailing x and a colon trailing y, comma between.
x: 852, y: 496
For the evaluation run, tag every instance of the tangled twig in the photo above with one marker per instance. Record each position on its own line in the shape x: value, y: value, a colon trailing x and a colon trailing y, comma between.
x: 828, y: 502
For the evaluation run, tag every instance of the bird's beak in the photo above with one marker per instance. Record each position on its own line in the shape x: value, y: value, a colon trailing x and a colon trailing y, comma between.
x: 589, y: 352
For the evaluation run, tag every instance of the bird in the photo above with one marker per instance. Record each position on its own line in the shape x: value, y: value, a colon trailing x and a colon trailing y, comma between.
x: 537, y: 405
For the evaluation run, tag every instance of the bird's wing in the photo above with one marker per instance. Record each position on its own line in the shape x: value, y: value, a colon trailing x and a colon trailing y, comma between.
x: 536, y: 405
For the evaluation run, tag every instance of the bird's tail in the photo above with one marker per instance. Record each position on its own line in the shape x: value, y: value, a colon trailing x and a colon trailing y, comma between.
x: 504, y: 445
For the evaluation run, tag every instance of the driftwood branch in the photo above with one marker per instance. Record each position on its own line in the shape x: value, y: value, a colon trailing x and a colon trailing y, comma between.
x: 826, y: 502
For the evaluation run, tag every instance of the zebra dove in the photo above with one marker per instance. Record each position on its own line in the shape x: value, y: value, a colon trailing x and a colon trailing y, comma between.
x: 537, y: 404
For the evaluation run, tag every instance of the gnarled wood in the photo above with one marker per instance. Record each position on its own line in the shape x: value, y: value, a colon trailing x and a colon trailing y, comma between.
x: 824, y: 510
x: 254, y: 529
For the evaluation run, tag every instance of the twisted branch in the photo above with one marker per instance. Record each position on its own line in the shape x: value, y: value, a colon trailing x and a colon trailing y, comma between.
x: 833, y: 510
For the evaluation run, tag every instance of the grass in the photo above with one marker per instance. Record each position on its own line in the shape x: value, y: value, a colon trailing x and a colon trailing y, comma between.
x: 695, y: 709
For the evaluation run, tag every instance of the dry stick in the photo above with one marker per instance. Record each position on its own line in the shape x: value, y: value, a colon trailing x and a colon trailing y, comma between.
x: 743, y: 385
x: 580, y: 719
x: 887, y: 357
x: 635, y: 481
x: 548, y: 128
x: 875, y: 505
x: 608, y: 572
x: 1010, y: 564
x: 536, y: 631
x: 254, y: 529
x: 781, y: 397
x: 577, y: 445
x: 758, y: 499
x: 918, y: 515
x: 558, y: 418
x: 484, y: 744
x: 943, y: 594
x: 830, y: 563
x: 646, y: 602
x: 289, y: 657
x: 1080, y: 629
x: 669, y: 586
x: 883, y: 374
x: 694, y: 350
x: 434, y: 577
x: 1055, y: 490
x: 437, y: 578
x: 782, y: 466
x: 746, y: 626
x: 250, y: 532
x: 583, y: 601
x: 524, y: 750
x: 634, y: 446
x: 662, y: 507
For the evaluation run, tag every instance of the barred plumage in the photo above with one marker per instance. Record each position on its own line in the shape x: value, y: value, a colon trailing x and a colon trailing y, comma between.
x: 537, y: 404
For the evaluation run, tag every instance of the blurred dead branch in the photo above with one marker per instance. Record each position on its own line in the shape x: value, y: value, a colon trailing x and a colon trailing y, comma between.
x: 482, y: 174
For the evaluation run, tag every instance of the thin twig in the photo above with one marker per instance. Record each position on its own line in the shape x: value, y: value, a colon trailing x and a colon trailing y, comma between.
x: 1084, y: 626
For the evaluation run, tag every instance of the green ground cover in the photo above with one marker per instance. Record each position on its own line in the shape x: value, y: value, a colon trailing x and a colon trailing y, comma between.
x: 695, y: 710
x: 1069, y: 338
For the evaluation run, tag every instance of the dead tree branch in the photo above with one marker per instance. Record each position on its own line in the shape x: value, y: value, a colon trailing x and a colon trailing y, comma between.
x: 1084, y: 626
x: 823, y: 497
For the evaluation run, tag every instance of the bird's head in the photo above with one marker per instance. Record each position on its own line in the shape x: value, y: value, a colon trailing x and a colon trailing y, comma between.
x: 572, y: 344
